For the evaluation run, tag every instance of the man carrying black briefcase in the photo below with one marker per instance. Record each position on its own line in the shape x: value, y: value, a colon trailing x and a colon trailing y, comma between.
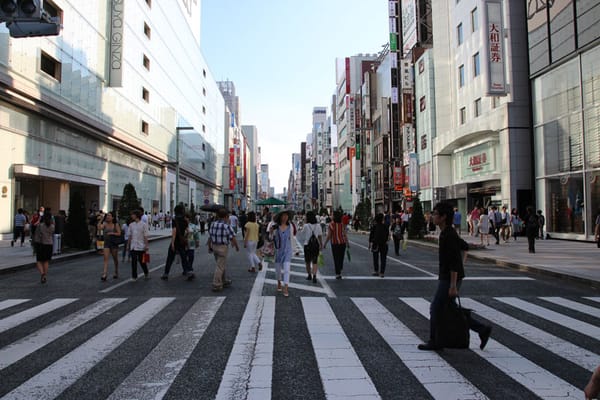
x: 451, y: 273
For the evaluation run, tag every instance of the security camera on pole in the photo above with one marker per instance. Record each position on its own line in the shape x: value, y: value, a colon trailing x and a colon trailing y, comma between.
x: 27, y: 18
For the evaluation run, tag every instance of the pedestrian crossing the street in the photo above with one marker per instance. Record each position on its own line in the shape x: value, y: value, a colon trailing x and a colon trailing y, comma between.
x: 541, y: 347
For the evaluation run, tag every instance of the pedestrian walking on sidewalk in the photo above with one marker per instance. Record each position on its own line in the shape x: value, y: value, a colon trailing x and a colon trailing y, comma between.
x: 312, y: 243
x: 457, y: 221
x: 220, y: 236
x: 178, y: 245
x: 43, y: 244
x: 484, y: 227
x: 532, y: 227
x: 112, y: 239
x: 282, y: 234
x: 452, y: 252
x: 378, y: 245
x: 19, y: 228
x: 251, y: 232
x: 138, y: 244
x: 541, y: 223
x: 337, y: 235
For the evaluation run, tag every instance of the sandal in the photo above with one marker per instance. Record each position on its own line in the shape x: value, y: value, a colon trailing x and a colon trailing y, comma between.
x: 43, y: 278
x: 103, y: 278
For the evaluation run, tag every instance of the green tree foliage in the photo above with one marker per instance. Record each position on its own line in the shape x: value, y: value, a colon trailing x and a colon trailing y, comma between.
x: 363, y: 210
x: 76, y: 229
x: 416, y: 224
x: 129, y: 202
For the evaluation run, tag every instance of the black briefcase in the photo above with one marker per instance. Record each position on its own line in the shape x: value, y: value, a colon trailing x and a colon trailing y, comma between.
x: 452, y: 329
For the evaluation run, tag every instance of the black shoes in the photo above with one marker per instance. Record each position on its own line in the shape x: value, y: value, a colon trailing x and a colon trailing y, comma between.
x: 314, y: 279
x: 485, y: 336
x: 227, y: 283
x: 164, y: 277
x: 431, y: 346
x: 309, y: 277
x: 375, y: 273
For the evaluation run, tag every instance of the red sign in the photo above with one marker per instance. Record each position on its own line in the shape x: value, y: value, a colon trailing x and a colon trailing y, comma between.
x: 231, y: 168
x: 398, y: 179
x: 477, y: 162
x: 347, y: 75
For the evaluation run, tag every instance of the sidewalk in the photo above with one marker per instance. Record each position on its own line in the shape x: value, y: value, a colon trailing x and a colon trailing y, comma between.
x: 17, y: 257
x: 578, y: 261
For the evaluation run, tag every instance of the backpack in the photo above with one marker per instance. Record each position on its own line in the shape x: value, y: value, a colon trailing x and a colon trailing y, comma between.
x: 313, y: 243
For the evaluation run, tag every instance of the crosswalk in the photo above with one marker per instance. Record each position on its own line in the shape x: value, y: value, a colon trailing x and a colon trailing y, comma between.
x: 542, y: 347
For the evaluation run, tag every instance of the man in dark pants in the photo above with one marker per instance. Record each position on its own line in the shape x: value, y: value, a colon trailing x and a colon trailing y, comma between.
x: 451, y: 272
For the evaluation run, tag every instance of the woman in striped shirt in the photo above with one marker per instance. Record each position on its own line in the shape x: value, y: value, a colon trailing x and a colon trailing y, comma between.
x: 337, y: 235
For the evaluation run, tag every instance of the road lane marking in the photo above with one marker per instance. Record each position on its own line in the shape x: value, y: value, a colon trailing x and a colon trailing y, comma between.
x: 153, y: 377
x: 315, y: 289
x: 126, y: 281
x: 248, y: 374
x: 533, y: 377
x: 389, y: 258
x: 554, y: 344
x: 22, y: 348
x: 429, y: 278
x: 32, y: 313
x: 578, y: 326
x: 55, y: 379
x: 341, y: 371
x: 11, y: 302
x: 438, y: 377
x: 596, y: 299
x: 573, y: 305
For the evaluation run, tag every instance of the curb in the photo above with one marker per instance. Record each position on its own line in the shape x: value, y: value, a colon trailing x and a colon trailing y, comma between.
x: 62, y: 257
x: 521, y: 267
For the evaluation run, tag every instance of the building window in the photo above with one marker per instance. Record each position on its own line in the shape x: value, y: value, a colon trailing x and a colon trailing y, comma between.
x: 204, y: 73
x: 421, y: 66
x: 423, y: 142
x: 203, y: 147
x: 145, y: 128
x: 146, y: 95
x: 463, y: 116
x: 422, y: 103
x: 478, y: 107
x: 53, y: 10
x: 203, y: 165
x: 203, y: 110
x: 147, y: 30
x: 204, y: 91
x: 495, y: 101
x: 50, y: 66
x: 149, y: 2
x: 203, y: 128
x: 146, y: 62
x: 474, y: 20
x: 461, y: 76
x: 476, y: 67
x: 459, y: 34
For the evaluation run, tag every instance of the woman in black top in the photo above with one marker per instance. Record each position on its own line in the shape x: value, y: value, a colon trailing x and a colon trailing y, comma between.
x: 397, y: 233
x: 378, y: 238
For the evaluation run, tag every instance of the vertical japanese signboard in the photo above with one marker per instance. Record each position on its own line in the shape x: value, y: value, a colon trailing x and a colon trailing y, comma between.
x: 494, y: 43
x: 231, y: 168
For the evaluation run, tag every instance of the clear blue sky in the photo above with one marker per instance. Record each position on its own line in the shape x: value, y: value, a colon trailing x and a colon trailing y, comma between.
x: 281, y: 57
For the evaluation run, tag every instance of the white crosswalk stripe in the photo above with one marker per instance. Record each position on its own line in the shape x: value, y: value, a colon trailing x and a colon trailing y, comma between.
x: 248, y: 372
x: 37, y: 311
x: 560, y: 319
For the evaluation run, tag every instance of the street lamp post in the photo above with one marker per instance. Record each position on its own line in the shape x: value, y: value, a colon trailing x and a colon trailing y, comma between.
x: 177, y: 161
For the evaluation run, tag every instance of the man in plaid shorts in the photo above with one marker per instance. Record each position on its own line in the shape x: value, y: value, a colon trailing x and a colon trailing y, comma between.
x: 220, y: 236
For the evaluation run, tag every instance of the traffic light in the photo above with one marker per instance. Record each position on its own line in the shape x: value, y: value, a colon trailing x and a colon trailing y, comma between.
x: 20, y: 10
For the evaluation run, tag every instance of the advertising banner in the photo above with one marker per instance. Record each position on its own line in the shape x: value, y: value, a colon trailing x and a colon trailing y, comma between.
x: 413, y: 172
x: 494, y: 43
x: 409, y: 26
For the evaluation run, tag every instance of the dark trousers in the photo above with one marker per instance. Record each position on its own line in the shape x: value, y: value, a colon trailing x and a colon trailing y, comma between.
x: 380, y: 258
x: 136, y: 255
x: 338, y: 251
x: 531, y: 242
x: 440, y: 300
x: 397, y: 243
x: 171, y: 257
x: 19, y: 232
x: 496, y: 233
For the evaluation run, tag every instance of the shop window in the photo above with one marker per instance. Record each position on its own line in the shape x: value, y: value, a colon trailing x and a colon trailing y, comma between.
x: 422, y: 103
x: 146, y: 62
x: 565, y: 206
x: 147, y: 30
x: 145, y: 128
x: 50, y: 66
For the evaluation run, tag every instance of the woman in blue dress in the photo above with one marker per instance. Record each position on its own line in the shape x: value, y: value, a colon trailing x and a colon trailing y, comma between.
x: 282, y: 234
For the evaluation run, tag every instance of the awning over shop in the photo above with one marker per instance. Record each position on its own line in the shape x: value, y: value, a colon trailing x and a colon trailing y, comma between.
x: 23, y: 170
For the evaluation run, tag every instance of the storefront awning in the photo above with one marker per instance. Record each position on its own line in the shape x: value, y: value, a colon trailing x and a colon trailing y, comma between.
x: 23, y: 170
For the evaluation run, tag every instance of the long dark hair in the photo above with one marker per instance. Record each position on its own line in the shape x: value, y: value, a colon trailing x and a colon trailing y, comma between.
x: 47, y: 218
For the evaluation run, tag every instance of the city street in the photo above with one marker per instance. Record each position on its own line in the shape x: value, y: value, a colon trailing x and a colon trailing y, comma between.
x: 79, y: 338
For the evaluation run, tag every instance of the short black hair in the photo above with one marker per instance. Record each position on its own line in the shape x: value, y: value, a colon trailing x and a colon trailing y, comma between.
x: 446, y: 209
x: 311, y: 218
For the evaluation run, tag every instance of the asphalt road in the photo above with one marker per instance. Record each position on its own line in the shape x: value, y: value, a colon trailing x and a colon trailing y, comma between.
x: 79, y: 338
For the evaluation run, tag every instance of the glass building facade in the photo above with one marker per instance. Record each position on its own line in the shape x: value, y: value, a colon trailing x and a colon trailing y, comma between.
x: 66, y: 124
x: 564, y: 39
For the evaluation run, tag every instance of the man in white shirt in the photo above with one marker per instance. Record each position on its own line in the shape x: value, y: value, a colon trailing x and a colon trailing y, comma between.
x: 138, y: 243
x: 144, y: 217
